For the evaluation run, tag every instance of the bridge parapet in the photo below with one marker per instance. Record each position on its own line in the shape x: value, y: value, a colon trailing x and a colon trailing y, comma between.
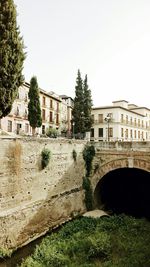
x: 121, y: 146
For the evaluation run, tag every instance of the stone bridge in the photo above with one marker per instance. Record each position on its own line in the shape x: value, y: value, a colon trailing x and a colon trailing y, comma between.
x: 34, y: 200
x: 118, y: 165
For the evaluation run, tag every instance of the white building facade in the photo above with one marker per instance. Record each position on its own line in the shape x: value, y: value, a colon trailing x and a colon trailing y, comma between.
x: 54, y: 112
x: 121, y: 122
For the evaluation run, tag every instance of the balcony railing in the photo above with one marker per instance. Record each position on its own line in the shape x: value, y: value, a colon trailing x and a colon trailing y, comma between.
x: 122, y: 122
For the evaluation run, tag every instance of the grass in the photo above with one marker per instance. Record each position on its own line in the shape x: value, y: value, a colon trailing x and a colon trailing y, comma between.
x: 117, y: 241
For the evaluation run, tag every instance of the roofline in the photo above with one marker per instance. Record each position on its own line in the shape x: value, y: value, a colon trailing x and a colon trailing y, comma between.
x: 48, y: 94
x: 43, y: 92
x: 65, y: 97
x: 141, y: 108
x: 112, y: 107
x: 120, y: 101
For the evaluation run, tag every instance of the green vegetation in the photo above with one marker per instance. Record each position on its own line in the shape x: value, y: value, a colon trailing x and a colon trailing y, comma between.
x: 117, y: 241
x: 11, y: 56
x: 74, y: 155
x: 88, y: 155
x: 46, y: 154
x: 82, y: 106
x: 52, y: 132
x: 4, y: 252
x: 88, y: 193
x: 88, y: 120
x: 34, y: 109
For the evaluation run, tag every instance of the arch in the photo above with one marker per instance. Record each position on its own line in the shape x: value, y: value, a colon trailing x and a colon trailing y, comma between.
x: 124, y: 190
x: 126, y: 162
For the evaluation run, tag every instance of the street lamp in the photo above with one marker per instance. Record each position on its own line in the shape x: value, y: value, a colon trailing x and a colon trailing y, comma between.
x: 108, y: 119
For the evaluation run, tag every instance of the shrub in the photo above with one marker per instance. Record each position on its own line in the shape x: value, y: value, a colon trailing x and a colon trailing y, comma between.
x: 4, y: 252
x: 52, y: 132
x: 116, y: 241
x: 74, y: 155
x: 88, y: 193
x: 88, y: 155
x: 46, y: 153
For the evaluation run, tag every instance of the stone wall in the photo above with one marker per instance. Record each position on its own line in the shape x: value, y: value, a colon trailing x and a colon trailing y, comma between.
x: 33, y: 200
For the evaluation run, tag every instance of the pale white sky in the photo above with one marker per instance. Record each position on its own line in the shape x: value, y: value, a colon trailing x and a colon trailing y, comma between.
x: 109, y: 40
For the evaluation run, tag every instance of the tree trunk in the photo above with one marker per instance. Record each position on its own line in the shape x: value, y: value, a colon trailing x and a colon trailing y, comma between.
x: 33, y: 131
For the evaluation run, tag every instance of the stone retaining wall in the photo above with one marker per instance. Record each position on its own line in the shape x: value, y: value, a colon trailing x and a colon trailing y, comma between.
x: 33, y: 200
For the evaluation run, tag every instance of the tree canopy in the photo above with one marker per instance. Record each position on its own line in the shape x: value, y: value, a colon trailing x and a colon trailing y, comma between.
x: 11, y: 56
x: 34, y: 109
x: 82, y: 119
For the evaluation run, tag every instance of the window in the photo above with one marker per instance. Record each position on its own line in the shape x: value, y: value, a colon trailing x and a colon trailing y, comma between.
x: 100, y: 118
x: 122, y: 118
x: 9, y: 126
x: 57, y: 118
x: 126, y: 119
x: 100, y: 132
x: 26, y: 114
x: 43, y: 101
x: 135, y: 134
x: 126, y: 135
x: 142, y: 123
x: 122, y: 132
x: 17, y: 112
x: 142, y: 135
x: 138, y: 122
x: 138, y: 134
x: 110, y: 132
x: 43, y: 129
x: 51, y: 103
x: 57, y: 107
x: 43, y: 114
x: 51, y: 116
x: 92, y: 132
x: 135, y: 121
x: 131, y: 133
x: 131, y: 120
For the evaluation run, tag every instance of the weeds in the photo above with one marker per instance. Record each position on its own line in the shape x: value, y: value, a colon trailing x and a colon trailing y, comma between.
x: 117, y: 241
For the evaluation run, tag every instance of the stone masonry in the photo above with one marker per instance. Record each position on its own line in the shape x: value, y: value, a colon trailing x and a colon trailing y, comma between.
x: 33, y: 200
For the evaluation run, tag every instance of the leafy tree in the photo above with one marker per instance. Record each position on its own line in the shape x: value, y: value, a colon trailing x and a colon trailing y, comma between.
x: 78, y: 109
x: 11, y: 56
x: 34, y: 109
x: 88, y: 121
x: 82, y: 106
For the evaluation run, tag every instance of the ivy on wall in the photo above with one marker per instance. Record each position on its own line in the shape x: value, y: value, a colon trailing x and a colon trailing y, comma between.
x: 88, y: 155
x: 46, y: 155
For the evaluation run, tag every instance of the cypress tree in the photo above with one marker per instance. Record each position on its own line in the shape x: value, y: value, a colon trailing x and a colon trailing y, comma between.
x: 78, y: 109
x: 34, y: 109
x: 11, y: 56
x: 88, y: 121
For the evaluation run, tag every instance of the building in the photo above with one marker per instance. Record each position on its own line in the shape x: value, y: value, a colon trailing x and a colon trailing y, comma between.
x: 54, y: 110
x: 17, y: 121
x: 50, y: 109
x: 121, y: 121
x: 67, y: 106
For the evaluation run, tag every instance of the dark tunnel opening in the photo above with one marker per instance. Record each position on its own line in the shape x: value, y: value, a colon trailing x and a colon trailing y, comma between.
x: 125, y: 190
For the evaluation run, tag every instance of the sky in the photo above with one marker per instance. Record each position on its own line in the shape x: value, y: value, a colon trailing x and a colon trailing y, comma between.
x: 109, y: 40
